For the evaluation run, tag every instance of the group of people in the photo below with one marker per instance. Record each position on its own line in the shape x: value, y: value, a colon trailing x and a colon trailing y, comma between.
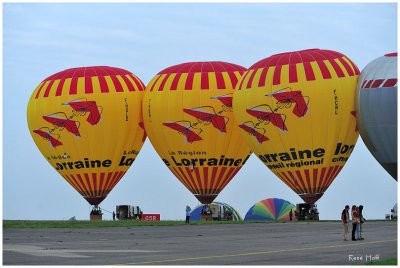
x: 357, y: 220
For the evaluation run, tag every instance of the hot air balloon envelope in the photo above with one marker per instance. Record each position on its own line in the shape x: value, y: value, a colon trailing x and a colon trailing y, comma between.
x: 86, y: 123
x: 187, y: 112
x: 377, y: 110
x: 296, y: 112
x: 271, y: 209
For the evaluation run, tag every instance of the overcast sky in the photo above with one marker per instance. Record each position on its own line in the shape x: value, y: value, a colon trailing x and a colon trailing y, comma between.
x: 42, y: 39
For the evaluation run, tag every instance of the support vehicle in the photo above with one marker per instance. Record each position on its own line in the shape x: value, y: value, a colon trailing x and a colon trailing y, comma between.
x: 306, y: 212
x: 128, y: 212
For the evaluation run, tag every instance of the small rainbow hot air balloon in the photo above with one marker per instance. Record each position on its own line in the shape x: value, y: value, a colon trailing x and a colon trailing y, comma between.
x: 376, y: 106
x: 187, y: 112
x: 86, y: 123
x: 271, y: 209
x: 296, y: 111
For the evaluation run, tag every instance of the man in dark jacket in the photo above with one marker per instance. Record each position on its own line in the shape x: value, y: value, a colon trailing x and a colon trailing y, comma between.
x: 345, y: 221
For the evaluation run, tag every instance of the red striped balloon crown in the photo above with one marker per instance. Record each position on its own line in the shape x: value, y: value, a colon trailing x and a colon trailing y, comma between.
x: 88, y: 80
x: 298, y: 66
x: 197, y: 75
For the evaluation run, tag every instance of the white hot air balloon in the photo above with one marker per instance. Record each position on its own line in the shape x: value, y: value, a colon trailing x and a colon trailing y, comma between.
x: 376, y: 106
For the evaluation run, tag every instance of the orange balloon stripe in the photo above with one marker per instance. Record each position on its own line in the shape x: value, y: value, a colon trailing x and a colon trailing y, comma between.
x: 196, y: 172
x: 89, y: 185
x: 109, y: 179
x: 197, y: 180
x: 327, y: 177
x: 116, y: 178
x: 205, y: 177
x: 221, y: 177
x: 178, y: 173
x: 289, y: 181
x: 226, y: 179
x: 71, y: 180
x: 92, y: 185
x: 302, y: 184
x: 194, y: 81
x: 335, y: 172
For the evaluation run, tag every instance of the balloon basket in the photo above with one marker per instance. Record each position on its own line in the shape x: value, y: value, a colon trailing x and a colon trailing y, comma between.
x: 96, y: 217
x: 96, y: 214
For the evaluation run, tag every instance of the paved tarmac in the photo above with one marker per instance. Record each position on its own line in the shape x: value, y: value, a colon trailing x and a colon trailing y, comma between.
x: 317, y: 243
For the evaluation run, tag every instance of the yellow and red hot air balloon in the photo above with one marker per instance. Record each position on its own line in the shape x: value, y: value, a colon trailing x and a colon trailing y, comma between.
x: 296, y: 111
x: 87, y: 123
x: 187, y: 113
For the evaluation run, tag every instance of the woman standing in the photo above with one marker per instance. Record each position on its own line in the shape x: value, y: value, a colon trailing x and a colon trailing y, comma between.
x: 355, y: 220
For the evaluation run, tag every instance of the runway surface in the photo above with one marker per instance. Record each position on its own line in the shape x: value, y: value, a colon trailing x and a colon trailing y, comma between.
x: 226, y: 244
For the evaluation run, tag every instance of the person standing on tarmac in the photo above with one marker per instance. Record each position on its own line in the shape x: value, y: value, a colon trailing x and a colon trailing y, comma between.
x: 188, y: 209
x: 360, y: 210
x: 355, y: 220
x: 345, y: 221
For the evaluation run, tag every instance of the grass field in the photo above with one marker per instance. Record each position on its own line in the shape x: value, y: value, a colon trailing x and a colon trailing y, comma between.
x: 101, y: 224
x: 392, y: 261
x: 123, y: 223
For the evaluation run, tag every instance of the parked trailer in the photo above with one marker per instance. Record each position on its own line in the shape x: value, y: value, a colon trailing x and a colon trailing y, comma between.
x: 306, y: 212
x: 128, y: 212
x: 216, y: 212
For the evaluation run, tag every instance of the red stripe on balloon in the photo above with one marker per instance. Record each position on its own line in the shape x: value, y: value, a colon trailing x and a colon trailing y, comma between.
x: 117, y: 84
x: 308, y: 179
x: 175, y: 81
x: 88, y: 85
x: 152, y: 87
x: 347, y: 66
x: 263, y: 77
x: 316, y: 179
x: 390, y: 82
x: 204, y: 83
x: 103, y: 85
x: 73, y: 89
x: 277, y: 75
x: 220, y: 80
x: 337, y: 68
x: 310, y: 76
x: 189, y: 81
x: 233, y: 78
x: 128, y: 83
x: 292, y: 73
x: 205, y: 176
x: 250, y: 82
x: 47, y: 92
x: 162, y: 85
x: 324, y: 70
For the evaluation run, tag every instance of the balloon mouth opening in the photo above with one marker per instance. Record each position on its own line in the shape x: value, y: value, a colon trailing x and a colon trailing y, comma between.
x: 94, y: 200
x: 311, y: 198
x: 205, y: 198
